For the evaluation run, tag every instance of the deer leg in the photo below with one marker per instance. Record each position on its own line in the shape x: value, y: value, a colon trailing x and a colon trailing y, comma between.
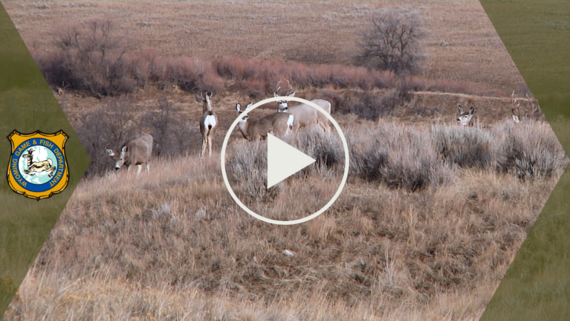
x: 204, y: 141
x: 147, y: 167
x: 210, y: 146
x: 139, y: 168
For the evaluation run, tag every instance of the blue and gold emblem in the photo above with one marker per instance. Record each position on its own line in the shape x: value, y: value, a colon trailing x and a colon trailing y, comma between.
x: 38, y: 166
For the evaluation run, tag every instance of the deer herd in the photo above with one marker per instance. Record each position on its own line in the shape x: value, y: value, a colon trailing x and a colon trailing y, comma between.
x: 287, y: 120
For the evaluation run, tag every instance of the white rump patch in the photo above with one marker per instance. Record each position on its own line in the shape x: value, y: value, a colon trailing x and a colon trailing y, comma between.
x: 210, y: 121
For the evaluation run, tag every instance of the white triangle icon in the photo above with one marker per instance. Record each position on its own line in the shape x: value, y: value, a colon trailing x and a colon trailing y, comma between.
x: 283, y: 160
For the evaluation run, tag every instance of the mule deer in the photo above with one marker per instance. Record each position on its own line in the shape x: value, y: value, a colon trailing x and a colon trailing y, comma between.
x: 465, y: 118
x: 533, y: 112
x: 208, y: 122
x: 279, y: 124
x: 305, y: 115
x: 135, y: 151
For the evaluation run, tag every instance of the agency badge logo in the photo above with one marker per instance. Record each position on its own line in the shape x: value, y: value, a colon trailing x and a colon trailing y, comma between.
x: 38, y: 166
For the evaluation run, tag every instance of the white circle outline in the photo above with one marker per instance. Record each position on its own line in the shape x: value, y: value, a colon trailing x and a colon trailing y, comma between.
x: 304, y: 219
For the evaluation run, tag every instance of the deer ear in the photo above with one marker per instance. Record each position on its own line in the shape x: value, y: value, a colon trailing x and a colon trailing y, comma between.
x: 471, y: 110
x: 123, y: 151
x: 275, y: 94
x: 249, y: 105
x: 110, y: 152
x: 238, y: 106
x: 460, y: 109
x: 291, y: 95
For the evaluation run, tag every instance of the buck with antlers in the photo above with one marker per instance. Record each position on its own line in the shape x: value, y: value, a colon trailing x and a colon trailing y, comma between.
x: 515, y: 108
x: 534, y: 111
x: 465, y: 118
x: 208, y: 122
x: 305, y: 115
x: 135, y: 151
x: 279, y: 124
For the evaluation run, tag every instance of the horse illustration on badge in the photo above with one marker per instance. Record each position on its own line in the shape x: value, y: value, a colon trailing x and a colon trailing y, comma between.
x: 38, y: 166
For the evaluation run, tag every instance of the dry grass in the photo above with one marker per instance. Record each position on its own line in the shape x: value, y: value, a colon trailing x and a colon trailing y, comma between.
x: 172, y: 244
x: 425, y: 228
x: 268, y: 30
x: 189, y: 35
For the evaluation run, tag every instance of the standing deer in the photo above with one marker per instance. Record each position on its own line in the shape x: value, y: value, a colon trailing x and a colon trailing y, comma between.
x: 279, y: 124
x: 135, y: 151
x: 465, y: 118
x: 305, y: 115
x: 208, y: 122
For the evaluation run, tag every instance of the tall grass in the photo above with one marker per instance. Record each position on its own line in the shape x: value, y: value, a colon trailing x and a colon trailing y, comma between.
x: 417, y: 233
x: 171, y: 244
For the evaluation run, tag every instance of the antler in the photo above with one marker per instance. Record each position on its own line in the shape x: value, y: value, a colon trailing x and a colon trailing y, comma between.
x: 513, y: 99
x: 290, y: 87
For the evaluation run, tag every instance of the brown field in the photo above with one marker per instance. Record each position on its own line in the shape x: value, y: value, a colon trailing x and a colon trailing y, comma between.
x: 430, y: 219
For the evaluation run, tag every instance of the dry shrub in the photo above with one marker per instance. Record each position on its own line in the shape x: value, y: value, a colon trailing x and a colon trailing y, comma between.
x: 93, y: 57
x: 169, y: 133
x: 530, y: 151
x: 325, y: 148
x: 239, y: 68
x: 466, y: 147
x: 254, y: 88
x: 397, y: 156
x: 106, y: 128
x: 117, y: 121
x: 90, y: 56
x: 300, y: 75
x: 367, y: 105
x: 141, y: 66
x: 190, y: 74
x: 246, y: 165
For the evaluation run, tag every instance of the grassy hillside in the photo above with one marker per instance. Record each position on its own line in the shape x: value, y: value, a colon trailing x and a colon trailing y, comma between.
x: 430, y: 219
x: 172, y: 244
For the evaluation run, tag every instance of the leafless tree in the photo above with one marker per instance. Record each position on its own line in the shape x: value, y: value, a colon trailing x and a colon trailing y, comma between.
x: 393, y: 41
x: 92, y: 55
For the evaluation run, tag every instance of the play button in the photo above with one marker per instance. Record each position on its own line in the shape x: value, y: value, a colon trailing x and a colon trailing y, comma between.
x: 283, y: 160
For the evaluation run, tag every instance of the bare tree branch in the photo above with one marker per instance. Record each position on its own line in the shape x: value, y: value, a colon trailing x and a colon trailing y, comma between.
x: 393, y: 41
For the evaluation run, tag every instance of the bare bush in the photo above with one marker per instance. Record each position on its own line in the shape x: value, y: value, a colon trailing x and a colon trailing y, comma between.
x: 400, y: 157
x: 165, y: 127
x: 105, y: 128
x: 466, y: 147
x: 530, y: 151
x: 117, y: 121
x: 325, y: 148
x: 366, y: 105
x: 247, y: 166
x: 91, y: 57
x: 393, y: 41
